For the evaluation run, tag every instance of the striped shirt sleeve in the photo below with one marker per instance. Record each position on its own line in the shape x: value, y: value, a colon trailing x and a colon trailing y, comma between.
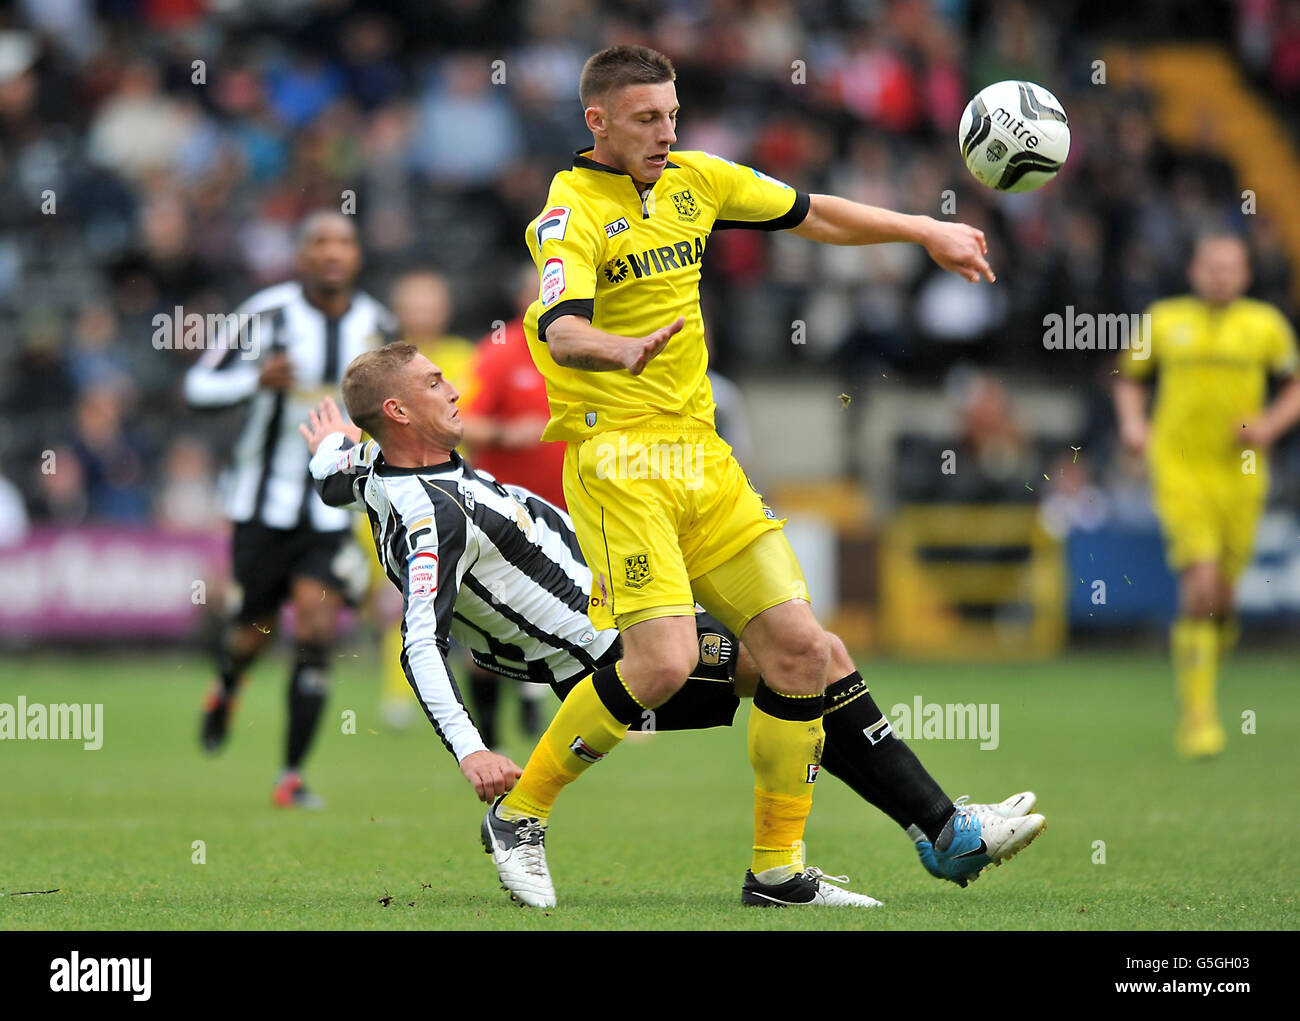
x: 340, y: 469
x: 435, y: 563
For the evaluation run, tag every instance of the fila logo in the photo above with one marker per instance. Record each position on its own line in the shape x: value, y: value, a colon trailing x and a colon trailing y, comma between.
x: 552, y: 224
x: 878, y: 731
x: 584, y: 751
x: 617, y: 227
x: 813, y: 770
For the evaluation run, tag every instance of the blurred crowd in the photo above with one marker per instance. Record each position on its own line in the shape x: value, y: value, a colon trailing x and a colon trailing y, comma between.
x: 160, y: 153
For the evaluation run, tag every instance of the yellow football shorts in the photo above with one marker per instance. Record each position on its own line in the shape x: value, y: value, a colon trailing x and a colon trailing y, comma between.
x: 1208, y: 513
x: 665, y: 518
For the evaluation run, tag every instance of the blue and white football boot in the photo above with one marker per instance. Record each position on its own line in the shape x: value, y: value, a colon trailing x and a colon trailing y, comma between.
x: 978, y: 836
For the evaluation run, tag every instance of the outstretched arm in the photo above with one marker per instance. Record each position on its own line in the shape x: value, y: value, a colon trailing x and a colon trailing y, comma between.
x: 432, y: 578
x: 956, y: 247
x: 337, y: 463
x: 576, y: 344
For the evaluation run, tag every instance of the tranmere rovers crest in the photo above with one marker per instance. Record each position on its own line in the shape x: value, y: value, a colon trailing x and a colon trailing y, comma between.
x: 636, y: 568
x: 686, y: 208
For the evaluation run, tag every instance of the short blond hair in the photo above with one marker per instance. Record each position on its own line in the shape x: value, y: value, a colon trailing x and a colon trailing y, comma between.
x: 372, y: 378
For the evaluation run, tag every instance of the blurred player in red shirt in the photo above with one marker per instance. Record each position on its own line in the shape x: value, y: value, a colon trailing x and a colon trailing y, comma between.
x: 505, y: 408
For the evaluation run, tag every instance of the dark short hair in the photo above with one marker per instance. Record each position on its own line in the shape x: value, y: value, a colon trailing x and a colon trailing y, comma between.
x: 317, y: 218
x: 616, y: 66
x: 370, y: 379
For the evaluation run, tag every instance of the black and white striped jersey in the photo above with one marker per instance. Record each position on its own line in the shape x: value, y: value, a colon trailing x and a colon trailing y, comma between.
x: 494, y: 566
x: 269, y: 481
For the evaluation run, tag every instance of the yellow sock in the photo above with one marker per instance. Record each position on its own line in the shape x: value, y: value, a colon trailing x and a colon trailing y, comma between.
x: 582, y: 733
x: 785, y: 749
x: 1195, y: 644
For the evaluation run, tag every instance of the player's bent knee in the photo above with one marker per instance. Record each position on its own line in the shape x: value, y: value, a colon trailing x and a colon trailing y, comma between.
x: 653, y: 676
x: 799, y: 665
x: 841, y: 663
x: 1200, y: 595
x: 654, y: 683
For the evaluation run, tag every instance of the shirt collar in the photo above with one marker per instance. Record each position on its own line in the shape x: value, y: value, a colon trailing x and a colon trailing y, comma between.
x: 582, y: 160
x: 453, y: 462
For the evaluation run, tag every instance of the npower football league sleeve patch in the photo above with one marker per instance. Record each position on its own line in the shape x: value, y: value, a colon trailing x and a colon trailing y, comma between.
x: 552, y: 281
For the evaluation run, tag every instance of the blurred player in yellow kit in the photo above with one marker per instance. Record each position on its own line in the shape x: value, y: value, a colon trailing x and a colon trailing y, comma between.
x: 1206, y: 446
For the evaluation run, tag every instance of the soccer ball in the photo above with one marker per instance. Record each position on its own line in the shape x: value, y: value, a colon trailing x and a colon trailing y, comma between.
x: 1014, y: 136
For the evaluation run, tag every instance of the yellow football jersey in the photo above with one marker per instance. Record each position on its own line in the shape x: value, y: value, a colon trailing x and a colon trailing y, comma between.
x: 1213, y: 366
x: 631, y: 264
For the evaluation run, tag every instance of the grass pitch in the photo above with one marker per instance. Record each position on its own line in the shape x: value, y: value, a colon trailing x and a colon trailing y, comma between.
x: 657, y: 836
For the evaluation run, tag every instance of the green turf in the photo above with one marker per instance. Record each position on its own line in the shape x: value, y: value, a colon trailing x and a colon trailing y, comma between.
x: 656, y: 836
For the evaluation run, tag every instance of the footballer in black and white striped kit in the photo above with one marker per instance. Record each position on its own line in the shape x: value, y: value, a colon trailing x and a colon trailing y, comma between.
x: 494, y: 566
x: 497, y: 568
x: 290, y: 347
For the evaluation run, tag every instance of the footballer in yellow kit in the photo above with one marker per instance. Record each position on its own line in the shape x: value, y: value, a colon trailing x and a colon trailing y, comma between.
x: 1206, y: 448
x: 663, y: 513
x: 625, y: 263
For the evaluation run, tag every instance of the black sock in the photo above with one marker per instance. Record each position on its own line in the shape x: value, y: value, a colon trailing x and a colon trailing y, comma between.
x: 307, y: 688
x: 614, y: 695
x: 230, y: 665
x: 485, y: 689
x: 863, y: 751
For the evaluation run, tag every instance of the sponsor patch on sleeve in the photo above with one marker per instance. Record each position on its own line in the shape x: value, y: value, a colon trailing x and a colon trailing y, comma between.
x: 423, y: 575
x: 552, y: 224
x: 552, y: 281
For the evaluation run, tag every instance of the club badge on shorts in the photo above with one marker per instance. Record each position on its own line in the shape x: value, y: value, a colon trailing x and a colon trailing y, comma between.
x: 714, y: 649
x: 636, y: 570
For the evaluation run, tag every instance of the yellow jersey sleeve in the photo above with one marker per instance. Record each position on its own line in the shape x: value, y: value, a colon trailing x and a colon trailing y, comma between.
x: 748, y: 198
x: 1139, y: 361
x: 1282, y: 356
x: 566, y: 247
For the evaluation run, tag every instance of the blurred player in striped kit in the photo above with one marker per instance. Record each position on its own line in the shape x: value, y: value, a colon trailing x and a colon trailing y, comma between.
x: 288, y: 546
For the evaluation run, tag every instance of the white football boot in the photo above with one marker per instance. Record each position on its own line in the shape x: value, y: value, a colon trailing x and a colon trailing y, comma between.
x: 518, y: 850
